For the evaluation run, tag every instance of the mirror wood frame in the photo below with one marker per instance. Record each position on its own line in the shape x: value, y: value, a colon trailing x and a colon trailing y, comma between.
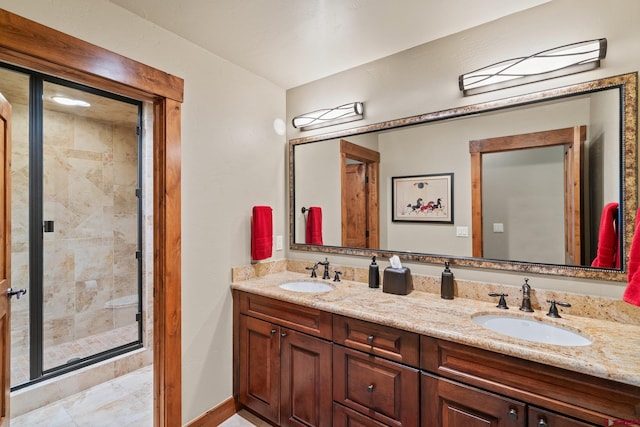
x: 626, y: 83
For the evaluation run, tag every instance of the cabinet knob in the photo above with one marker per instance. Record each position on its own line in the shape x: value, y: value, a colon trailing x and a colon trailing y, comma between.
x: 273, y: 331
x: 370, y: 388
x: 513, y: 414
x: 370, y: 339
x: 283, y: 334
x: 542, y: 422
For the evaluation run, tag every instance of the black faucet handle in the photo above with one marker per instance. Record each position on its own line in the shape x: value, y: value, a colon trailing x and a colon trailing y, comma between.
x: 336, y: 277
x: 553, y: 309
x: 502, y: 303
x: 313, y: 270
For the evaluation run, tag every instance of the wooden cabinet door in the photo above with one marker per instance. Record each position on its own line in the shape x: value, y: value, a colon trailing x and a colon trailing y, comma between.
x: 305, y: 363
x: 542, y: 418
x: 446, y: 403
x: 259, y: 358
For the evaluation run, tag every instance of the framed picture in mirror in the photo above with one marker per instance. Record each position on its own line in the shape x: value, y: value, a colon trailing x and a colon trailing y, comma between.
x: 422, y: 198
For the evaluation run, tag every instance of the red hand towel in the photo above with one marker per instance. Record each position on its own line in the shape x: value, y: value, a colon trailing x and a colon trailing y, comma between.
x: 261, y: 233
x: 608, y: 243
x: 632, y: 292
x: 314, y: 226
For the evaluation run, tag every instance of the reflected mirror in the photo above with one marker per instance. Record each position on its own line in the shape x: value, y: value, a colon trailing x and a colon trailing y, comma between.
x: 531, y: 176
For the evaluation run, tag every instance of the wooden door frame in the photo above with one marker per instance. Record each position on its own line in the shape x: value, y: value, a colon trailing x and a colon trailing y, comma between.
x: 573, y: 139
x: 31, y: 45
x: 371, y: 159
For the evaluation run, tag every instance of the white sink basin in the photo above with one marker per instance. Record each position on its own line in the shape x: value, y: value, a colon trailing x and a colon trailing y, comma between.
x: 531, y: 330
x: 307, y: 286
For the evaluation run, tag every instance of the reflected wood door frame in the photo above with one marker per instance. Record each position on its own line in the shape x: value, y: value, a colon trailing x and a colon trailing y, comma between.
x: 31, y: 45
x: 371, y: 159
x: 573, y: 140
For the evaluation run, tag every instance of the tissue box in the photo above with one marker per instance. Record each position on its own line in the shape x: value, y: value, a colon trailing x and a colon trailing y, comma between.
x: 397, y: 281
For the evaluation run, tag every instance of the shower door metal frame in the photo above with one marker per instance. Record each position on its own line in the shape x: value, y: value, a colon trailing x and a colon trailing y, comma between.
x: 37, y: 372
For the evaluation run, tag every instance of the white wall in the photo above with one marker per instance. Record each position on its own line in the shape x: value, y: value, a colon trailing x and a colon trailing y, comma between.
x: 425, y: 79
x: 231, y: 160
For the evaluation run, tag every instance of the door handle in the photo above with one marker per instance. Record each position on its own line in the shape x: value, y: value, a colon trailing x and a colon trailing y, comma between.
x: 18, y: 293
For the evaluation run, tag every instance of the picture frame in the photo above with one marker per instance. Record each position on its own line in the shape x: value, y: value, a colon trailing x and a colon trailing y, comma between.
x: 422, y: 198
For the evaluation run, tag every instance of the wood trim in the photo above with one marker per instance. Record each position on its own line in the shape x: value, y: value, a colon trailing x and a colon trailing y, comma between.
x: 572, y: 138
x: 371, y: 158
x: 38, y: 47
x: 216, y: 415
x: 31, y: 45
x: 167, y: 270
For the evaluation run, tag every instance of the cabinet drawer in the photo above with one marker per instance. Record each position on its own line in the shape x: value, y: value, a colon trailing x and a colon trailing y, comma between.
x: 446, y: 403
x: 384, y: 341
x: 300, y: 318
x: 542, y: 418
x: 383, y: 390
x: 345, y: 417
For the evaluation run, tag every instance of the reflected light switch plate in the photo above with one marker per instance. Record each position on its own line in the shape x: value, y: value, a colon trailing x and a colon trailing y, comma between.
x: 498, y: 227
x: 462, y: 231
x: 278, y: 243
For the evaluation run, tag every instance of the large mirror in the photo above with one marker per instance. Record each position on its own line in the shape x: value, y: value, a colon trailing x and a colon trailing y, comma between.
x: 516, y: 184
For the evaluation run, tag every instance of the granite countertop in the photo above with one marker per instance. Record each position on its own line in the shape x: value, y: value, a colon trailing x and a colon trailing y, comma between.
x: 614, y: 353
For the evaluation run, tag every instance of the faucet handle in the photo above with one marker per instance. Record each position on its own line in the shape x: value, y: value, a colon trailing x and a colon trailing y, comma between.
x: 553, y: 309
x: 502, y: 303
x: 313, y: 270
x: 336, y: 277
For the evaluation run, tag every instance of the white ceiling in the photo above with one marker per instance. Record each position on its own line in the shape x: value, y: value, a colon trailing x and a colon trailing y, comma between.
x: 292, y: 42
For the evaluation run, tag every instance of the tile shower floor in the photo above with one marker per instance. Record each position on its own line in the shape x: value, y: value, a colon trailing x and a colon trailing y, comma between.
x: 83, y: 347
x: 126, y: 401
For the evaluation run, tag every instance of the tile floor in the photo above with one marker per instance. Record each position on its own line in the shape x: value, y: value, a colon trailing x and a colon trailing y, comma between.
x: 126, y: 401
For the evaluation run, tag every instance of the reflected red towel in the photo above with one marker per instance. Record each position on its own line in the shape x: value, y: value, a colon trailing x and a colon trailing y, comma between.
x: 632, y: 292
x: 314, y: 226
x: 608, y: 243
x: 261, y: 233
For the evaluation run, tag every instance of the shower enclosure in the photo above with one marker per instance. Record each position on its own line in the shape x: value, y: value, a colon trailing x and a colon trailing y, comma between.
x: 76, y: 225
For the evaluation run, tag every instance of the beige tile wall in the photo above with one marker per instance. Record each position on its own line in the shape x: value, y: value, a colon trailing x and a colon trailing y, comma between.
x: 90, y: 176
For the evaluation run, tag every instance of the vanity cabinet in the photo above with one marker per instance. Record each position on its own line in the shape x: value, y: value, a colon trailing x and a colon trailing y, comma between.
x: 548, y: 396
x: 297, y: 365
x: 283, y: 369
x: 370, y: 386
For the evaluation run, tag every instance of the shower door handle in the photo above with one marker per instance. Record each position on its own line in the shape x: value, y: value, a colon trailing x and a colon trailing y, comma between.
x: 47, y: 226
x: 18, y: 293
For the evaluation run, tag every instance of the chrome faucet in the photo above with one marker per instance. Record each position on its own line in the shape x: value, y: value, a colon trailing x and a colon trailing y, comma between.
x: 325, y: 273
x: 526, y: 297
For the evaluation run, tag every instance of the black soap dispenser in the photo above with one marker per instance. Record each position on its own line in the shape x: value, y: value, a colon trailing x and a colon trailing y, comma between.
x: 446, y: 284
x: 374, y: 274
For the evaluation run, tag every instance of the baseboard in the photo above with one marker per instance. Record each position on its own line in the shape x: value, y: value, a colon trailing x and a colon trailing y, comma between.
x: 215, y: 416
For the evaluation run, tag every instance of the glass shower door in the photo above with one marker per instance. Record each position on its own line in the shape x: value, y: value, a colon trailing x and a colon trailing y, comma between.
x: 90, y: 217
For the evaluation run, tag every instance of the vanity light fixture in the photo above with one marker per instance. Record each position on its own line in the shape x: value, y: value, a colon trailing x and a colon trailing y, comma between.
x: 329, y: 116
x: 63, y: 100
x: 560, y: 61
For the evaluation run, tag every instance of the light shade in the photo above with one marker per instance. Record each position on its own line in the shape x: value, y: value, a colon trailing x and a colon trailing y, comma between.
x: 329, y: 116
x: 560, y: 61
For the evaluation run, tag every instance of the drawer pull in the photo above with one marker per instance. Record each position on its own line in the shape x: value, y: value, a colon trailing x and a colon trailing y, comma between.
x: 370, y: 388
x: 513, y: 414
x: 542, y: 423
x: 370, y: 339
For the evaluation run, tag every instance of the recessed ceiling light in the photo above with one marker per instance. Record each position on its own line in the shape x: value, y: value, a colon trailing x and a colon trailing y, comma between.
x: 63, y: 100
